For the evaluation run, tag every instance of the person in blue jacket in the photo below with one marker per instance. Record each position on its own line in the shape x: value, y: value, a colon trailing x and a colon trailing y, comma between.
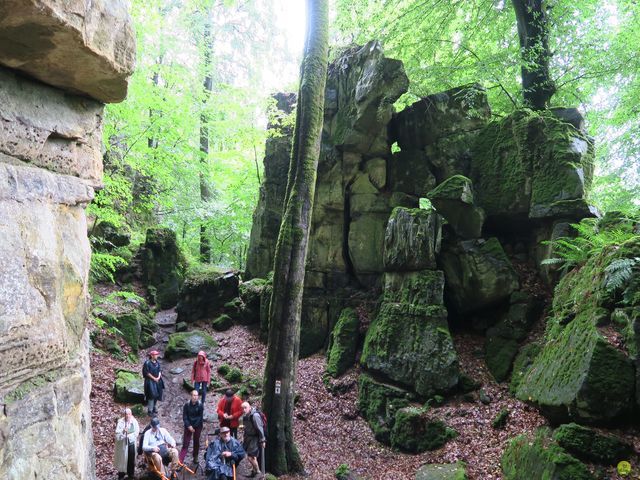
x: 222, y: 454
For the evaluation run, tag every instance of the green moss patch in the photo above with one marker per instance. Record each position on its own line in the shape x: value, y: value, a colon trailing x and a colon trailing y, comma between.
x: 188, y: 344
x: 591, y: 446
x: 343, y: 343
x: 415, y: 431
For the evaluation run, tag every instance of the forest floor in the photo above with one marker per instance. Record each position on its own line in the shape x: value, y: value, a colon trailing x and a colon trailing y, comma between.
x: 327, y: 428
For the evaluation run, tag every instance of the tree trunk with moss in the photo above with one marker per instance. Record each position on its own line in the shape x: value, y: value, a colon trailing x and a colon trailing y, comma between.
x: 205, y: 190
x: 533, y: 31
x: 291, y: 252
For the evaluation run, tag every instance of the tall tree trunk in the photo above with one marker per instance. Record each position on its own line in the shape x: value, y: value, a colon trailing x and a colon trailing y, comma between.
x: 205, y: 190
x: 533, y: 32
x: 291, y: 252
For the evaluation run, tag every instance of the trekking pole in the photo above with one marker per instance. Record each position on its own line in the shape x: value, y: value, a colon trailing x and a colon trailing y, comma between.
x: 234, y: 470
x: 262, y: 458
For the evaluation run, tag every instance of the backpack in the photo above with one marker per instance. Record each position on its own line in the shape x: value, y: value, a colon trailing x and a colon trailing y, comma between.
x: 263, y: 417
x: 141, y: 441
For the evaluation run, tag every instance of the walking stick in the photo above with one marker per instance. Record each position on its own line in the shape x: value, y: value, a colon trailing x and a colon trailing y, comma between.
x: 262, y: 458
x: 234, y: 470
x: 153, y: 469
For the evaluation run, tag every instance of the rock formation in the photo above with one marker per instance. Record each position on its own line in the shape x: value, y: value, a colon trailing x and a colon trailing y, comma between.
x: 50, y: 164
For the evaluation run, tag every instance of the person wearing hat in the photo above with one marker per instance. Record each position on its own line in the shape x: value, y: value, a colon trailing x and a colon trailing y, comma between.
x: 230, y: 411
x: 153, y: 383
x: 201, y: 375
x: 192, y: 417
x: 222, y: 455
x: 159, y: 446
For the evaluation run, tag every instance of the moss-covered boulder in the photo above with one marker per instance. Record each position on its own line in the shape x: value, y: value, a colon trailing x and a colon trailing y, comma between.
x: 412, y: 345
x: 409, y: 172
x: 250, y: 293
x: 539, y: 457
x: 478, y: 274
x: 499, y: 355
x: 111, y: 235
x: 532, y: 165
x: 378, y: 403
x: 222, y: 323
x: 412, y: 240
x: 163, y: 265
x: 188, y: 344
x: 442, y: 471
x: 580, y: 373
x: 205, y: 291
x: 453, y: 199
x: 522, y: 363
x: 590, y: 445
x: 131, y: 316
x: 128, y: 387
x: 420, y: 289
x: 415, y: 431
x: 343, y: 343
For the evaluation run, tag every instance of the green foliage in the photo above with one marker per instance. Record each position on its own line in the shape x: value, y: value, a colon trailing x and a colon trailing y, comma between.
x: 103, y: 266
x: 619, y: 272
x: 590, y: 241
x: 343, y: 471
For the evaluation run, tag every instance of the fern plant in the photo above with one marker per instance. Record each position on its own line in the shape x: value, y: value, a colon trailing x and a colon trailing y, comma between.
x: 619, y: 273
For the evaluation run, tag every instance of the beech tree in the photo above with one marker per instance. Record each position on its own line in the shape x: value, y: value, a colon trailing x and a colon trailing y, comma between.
x: 291, y: 250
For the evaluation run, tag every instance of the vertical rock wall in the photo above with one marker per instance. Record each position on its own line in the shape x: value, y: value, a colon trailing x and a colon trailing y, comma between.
x: 50, y: 164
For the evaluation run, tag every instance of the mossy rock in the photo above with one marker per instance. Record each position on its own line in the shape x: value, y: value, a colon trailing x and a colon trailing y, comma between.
x: 188, y: 344
x: 113, y: 236
x: 579, y: 374
x: 163, y: 265
x: 250, y: 293
x: 415, y: 431
x: 522, y: 364
x: 420, y: 289
x: 412, y: 240
x: 591, y: 446
x: 527, y: 458
x: 412, y: 346
x: 378, y: 403
x: 222, y: 323
x: 182, y: 327
x: 128, y: 387
x: 223, y: 369
x: 478, y: 274
x: 500, y: 420
x: 234, y: 375
x: 343, y: 343
x: 205, y: 291
x: 442, y: 471
x: 453, y: 199
x: 499, y: 355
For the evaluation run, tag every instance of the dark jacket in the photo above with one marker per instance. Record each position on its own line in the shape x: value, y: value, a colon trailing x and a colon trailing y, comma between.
x: 192, y: 414
x: 253, y: 425
x: 216, y: 464
x: 152, y: 389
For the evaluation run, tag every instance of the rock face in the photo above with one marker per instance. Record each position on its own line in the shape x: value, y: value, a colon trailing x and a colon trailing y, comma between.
x: 50, y: 162
x: 205, y: 292
x: 162, y: 265
x: 579, y: 373
x: 86, y: 48
x: 590, y: 445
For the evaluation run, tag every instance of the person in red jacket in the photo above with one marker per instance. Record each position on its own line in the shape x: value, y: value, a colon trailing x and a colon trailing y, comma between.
x: 230, y: 411
x: 201, y: 375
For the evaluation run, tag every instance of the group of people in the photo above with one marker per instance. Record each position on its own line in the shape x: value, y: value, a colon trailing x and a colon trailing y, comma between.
x: 223, y: 454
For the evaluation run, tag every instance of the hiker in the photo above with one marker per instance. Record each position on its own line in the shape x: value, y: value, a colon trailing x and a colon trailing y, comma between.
x: 222, y: 455
x: 230, y: 411
x: 201, y: 375
x: 192, y: 417
x: 127, y: 431
x: 159, y: 446
x: 153, y: 383
x: 254, y: 439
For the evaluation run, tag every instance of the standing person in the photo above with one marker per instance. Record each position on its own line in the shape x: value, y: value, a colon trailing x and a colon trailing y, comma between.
x: 230, y: 411
x: 254, y: 439
x: 222, y: 454
x: 159, y: 446
x: 153, y: 383
x: 192, y: 417
x: 201, y: 375
x: 127, y: 431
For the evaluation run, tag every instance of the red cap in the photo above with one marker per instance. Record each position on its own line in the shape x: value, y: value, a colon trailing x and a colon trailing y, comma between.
x: 154, y: 352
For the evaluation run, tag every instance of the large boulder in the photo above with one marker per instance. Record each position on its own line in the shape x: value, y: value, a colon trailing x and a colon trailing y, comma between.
x: 411, y: 344
x: 478, y: 274
x: 581, y: 373
x: 188, y: 344
x: 412, y: 240
x: 409, y: 171
x: 163, y: 265
x: 128, y: 387
x: 532, y: 165
x: 205, y: 291
x: 442, y: 471
x: 343, y: 343
x: 250, y: 293
x: 453, y: 199
x: 86, y: 48
x: 529, y: 457
x: 111, y: 235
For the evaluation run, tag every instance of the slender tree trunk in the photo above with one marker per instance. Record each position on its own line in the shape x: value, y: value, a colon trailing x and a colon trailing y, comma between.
x: 205, y: 190
x: 291, y: 251
x: 152, y: 141
x: 533, y: 31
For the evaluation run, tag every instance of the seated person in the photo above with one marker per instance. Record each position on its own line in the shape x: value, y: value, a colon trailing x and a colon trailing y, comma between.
x: 159, y: 446
x: 222, y: 454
